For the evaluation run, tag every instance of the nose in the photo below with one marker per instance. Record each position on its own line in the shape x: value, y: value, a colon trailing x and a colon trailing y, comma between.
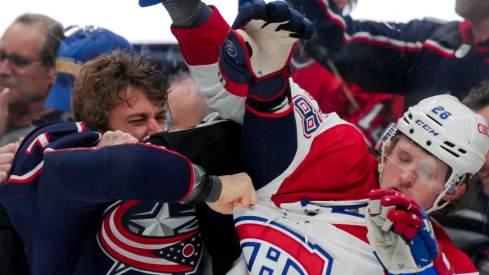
x: 154, y: 127
x: 5, y: 67
x: 407, y: 179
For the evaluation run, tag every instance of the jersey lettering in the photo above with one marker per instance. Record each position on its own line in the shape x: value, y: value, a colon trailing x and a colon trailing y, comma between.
x: 311, y: 119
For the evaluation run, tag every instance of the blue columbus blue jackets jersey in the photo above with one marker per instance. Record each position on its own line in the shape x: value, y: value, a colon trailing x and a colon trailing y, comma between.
x: 78, y: 209
x: 417, y: 59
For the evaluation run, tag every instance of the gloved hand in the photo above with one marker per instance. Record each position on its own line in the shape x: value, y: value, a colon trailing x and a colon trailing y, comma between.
x: 254, y: 59
x: 402, y: 236
x: 147, y: 3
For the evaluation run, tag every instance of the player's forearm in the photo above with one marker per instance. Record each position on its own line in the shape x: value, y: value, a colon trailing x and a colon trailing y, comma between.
x: 346, y: 47
x: 187, y: 13
x: 123, y: 172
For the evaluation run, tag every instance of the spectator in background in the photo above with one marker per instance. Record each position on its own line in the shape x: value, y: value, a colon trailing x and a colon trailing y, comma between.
x: 81, y: 46
x: 187, y: 105
x: 28, y: 51
x: 3, y: 110
x: 417, y: 59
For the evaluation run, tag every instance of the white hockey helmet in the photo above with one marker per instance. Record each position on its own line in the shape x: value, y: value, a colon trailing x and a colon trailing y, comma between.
x: 448, y: 130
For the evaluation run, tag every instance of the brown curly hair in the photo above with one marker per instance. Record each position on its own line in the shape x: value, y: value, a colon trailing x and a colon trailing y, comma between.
x: 101, y: 85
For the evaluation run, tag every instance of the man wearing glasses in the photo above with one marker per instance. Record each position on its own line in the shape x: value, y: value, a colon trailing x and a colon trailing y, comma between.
x: 28, y: 51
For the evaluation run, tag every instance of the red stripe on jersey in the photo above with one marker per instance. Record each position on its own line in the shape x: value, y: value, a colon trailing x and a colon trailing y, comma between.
x: 358, y: 231
x: 28, y: 176
x: 438, y: 49
x: 81, y: 126
x: 380, y: 40
x: 42, y: 140
x: 270, y: 115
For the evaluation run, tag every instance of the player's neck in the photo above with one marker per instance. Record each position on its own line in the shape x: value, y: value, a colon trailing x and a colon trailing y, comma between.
x: 480, y: 29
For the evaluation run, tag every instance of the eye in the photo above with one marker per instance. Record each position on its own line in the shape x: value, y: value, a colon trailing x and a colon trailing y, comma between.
x: 20, y: 61
x: 137, y: 121
x: 426, y: 172
x: 404, y: 157
x: 161, y: 118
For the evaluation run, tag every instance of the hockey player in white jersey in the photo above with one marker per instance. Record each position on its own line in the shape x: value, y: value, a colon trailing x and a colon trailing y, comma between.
x: 313, y: 172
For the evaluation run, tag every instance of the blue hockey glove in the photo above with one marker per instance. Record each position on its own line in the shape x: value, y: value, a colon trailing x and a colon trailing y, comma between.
x: 254, y: 59
x: 402, y: 236
x: 147, y: 3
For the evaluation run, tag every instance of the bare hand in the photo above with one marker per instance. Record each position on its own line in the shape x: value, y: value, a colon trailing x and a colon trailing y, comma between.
x: 7, y: 154
x: 116, y: 137
x: 237, y: 190
x: 3, y: 110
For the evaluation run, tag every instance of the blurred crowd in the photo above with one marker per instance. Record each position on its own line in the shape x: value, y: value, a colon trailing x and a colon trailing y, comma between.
x: 369, y: 73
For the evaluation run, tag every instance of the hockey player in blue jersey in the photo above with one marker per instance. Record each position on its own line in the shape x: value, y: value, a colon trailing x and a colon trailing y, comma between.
x: 76, y: 200
x: 416, y: 59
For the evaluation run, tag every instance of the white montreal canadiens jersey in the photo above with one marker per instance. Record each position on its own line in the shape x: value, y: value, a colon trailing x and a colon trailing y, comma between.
x: 310, y: 216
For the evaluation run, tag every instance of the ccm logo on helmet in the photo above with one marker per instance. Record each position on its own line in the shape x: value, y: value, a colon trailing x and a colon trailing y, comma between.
x: 427, y: 128
x: 483, y: 129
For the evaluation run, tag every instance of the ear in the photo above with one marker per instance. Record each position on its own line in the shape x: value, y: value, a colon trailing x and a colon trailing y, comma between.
x: 458, y: 192
x: 52, y: 75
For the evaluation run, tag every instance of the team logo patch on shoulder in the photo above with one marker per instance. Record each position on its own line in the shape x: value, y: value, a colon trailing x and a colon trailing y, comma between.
x: 231, y: 49
x: 274, y: 249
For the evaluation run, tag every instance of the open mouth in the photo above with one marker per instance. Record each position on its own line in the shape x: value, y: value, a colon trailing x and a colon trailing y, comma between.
x: 395, y: 189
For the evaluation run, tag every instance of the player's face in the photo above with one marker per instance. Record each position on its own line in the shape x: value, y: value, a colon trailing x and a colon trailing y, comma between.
x: 139, y: 117
x: 414, y: 172
x: 472, y: 9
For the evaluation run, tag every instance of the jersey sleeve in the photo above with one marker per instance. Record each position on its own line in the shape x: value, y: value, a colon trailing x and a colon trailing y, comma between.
x: 60, y: 160
x: 374, y: 55
x: 123, y: 172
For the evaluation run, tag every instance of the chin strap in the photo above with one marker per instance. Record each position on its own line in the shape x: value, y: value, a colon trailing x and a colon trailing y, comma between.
x: 449, y: 189
x: 436, y: 206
